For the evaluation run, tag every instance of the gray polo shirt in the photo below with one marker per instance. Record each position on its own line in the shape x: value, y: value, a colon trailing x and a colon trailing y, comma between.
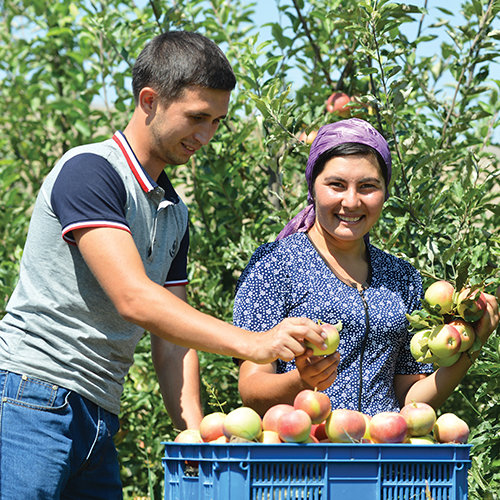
x: 60, y: 326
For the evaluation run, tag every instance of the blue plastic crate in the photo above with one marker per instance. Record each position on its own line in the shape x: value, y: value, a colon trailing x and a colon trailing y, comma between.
x: 316, y: 471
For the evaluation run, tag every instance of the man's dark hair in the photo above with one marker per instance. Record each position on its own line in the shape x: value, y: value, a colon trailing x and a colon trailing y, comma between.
x: 172, y: 61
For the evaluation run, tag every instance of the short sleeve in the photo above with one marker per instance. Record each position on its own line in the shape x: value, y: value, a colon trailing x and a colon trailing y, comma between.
x: 260, y: 300
x: 88, y: 192
x: 177, y: 274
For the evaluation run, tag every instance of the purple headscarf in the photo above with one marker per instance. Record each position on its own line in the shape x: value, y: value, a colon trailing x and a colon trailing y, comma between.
x: 329, y: 136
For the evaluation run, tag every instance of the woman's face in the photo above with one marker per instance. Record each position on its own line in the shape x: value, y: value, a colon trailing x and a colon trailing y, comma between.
x: 349, y: 194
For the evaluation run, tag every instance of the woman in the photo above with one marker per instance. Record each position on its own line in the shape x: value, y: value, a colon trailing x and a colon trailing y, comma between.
x: 323, y: 267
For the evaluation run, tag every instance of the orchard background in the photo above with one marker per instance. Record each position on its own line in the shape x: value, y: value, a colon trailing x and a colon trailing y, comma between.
x: 65, y: 80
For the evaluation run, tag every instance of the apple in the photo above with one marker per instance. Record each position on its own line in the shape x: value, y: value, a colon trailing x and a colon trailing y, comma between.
x: 211, y: 426
x: 444, y: 341
x: 188, y: 436
x: 448, y: 361
x: 388, y: 427
x: 419, y: 347
x: 428, y: 439
x: 467, y: 333
x: 366, y: 435
x: 471, y: 305
x: 420, y: 418
x: 319, y: 431
x: 308, y: 138
x: 345, y: 426
x: 270, y: 437
x: 336, y: 103
x: 451, y: 429
x: 332, y: 340
x: 294, y: 427
x: 220, y: 440
x: 271, y: 417
x: 316, y: 404
x: 440, y: 293
x: 311, y: 439
x: 243, y: 423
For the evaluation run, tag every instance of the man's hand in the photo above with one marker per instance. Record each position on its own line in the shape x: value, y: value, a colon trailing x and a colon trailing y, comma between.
x: 285, y: 341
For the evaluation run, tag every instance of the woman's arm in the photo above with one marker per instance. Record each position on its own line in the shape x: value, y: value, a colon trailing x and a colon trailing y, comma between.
x: 435, y: 389
x: 261, y: 387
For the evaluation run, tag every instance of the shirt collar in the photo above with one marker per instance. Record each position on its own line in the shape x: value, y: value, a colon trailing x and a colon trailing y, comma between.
x: 144, y: 179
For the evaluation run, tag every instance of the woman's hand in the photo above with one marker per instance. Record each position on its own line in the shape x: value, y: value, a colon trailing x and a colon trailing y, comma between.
x: 489, y: 322
x: 317, y: 371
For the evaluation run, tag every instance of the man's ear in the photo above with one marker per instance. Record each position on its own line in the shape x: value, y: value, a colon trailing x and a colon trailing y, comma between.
x: 147, y: 100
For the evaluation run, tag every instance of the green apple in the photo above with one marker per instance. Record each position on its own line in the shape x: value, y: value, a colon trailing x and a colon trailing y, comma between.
x: 332, y: 341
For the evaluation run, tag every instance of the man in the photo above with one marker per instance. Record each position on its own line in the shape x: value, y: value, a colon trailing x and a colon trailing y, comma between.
x: 105, y: 260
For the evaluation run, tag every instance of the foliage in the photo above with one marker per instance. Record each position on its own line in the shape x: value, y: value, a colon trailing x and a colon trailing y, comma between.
x: 433, y: 98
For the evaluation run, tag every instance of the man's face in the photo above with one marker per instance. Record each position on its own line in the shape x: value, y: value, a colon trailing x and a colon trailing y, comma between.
x: 182, y: 127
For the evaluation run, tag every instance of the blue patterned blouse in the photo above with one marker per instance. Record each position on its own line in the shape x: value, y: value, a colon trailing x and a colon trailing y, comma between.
x: 288, y: 278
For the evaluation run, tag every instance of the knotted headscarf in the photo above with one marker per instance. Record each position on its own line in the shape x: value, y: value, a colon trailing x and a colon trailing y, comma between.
x: 329, y: 136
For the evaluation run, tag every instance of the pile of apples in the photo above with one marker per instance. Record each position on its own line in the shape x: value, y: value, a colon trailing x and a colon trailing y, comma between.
x: 443, y: 328
x: 311, y: 420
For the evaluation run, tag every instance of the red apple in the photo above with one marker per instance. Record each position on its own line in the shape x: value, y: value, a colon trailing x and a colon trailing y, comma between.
x: 243, y: 423
x: 271, y: 417
x: 345, y: 426
x: 319, y: 431
x: 332, y: 340
x: 440, y: 293
x: 444, y: 341
x: 188, y: 436
x: 336, y: 103
x: 211, y: 426
x: 294, y: 427
x: 308, y: 138
x: 316, y: 404
x: 420, y: 418
x: 388, y: 427
x: 451, y: 429
x: 471, y: 305
x: 467, y: 333
x: 270, y: 437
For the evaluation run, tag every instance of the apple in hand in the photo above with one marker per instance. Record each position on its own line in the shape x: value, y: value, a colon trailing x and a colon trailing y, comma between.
x: 294, y: 427
x: 345, y: 426
x: 451, y: 429
x: 440, y: 293
x: 419, y: 347
x: 444, y: 341
x: 471, y: 305
x: 467, y: 333
x: 388, y: 427
x: 243, y: 423
x: 271, y: 417
x: 211, y: 426
x: 420, y: 418
x: 332, y: 340
x: 448, y: 361
x: 316, y: 404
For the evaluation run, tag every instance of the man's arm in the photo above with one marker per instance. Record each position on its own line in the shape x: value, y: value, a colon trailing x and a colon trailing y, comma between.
x: 113, y: 258
x: 177, y: 369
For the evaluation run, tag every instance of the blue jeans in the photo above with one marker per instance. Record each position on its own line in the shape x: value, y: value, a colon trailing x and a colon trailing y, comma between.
x: 54, y: 444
